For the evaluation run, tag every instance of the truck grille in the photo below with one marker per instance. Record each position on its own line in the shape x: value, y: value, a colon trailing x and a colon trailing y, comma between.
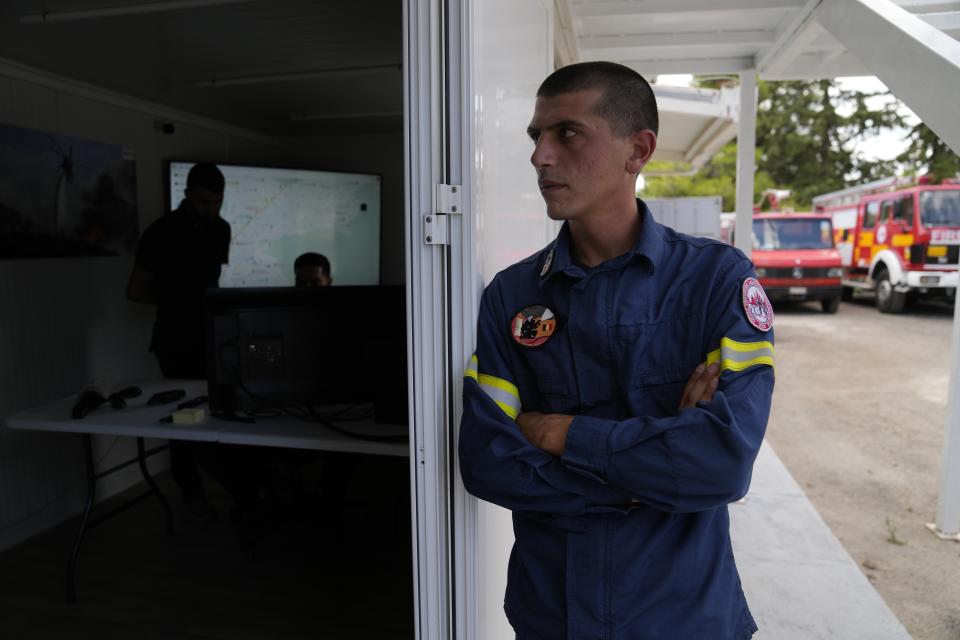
x: 804, y: 272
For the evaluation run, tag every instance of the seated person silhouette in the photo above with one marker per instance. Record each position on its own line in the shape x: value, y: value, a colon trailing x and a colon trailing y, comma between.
x: 312, y: 270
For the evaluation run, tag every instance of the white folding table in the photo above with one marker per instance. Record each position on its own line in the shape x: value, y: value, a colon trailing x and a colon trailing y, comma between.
x: 137, y: 420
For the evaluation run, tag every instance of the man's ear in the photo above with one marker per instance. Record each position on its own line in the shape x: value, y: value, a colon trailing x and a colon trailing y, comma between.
x: 644, y: 144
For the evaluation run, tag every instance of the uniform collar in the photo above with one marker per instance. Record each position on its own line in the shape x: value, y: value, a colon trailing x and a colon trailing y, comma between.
x: 648, y: 248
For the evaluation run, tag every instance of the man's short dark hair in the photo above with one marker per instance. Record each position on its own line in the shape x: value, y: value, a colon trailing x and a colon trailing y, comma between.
x: 206, y: 175
x: 628, y: 104
x: 311, y: 259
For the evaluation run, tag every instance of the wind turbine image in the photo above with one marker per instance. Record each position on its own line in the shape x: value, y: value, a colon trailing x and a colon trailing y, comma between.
x: 65, y: 176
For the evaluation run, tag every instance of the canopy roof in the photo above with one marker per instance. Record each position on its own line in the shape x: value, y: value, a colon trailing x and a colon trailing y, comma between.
x: 779, y: 38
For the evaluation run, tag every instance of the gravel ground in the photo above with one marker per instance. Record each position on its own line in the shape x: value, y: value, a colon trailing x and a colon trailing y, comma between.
x: 858, y: 418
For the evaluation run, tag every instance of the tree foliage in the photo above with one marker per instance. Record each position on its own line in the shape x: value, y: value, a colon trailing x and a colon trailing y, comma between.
x: 807, y: 133
x: 716, y: 178
x: 928, y: 154
x: 806, y: 142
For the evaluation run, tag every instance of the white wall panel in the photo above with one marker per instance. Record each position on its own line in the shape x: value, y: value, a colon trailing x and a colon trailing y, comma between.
x: 513, y: 54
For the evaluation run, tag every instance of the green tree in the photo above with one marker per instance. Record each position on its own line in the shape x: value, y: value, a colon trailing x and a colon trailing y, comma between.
x: 928, y: 154
x: 806, y: 132
x: 805, y: 137
x: 716, y: 178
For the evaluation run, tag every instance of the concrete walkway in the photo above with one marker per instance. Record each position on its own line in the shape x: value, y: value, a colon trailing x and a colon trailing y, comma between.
x: 800, y: 582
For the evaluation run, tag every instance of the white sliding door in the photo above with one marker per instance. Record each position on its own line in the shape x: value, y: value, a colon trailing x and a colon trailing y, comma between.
x: 472, y: 68
x: 510, y: 52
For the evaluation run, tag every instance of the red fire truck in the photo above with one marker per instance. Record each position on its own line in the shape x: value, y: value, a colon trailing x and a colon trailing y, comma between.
x: 897, y: 238
x: 795, y: 257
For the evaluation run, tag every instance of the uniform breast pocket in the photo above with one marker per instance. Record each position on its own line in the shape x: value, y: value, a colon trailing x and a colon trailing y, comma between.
x: 656, y: 360
x: 547, y: 394
x: 657, y: 394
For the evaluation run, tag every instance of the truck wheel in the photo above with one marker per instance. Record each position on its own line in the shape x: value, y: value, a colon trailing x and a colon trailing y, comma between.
x: 830, y: 305
x: 846, y: 294
x: 889, y: 300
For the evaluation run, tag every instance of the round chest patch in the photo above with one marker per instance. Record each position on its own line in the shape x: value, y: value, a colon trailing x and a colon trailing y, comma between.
x: 757, y: 305
x: 533, y: 325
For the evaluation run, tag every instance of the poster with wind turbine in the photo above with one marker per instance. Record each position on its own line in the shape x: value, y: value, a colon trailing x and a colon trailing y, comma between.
x: 62, y: 196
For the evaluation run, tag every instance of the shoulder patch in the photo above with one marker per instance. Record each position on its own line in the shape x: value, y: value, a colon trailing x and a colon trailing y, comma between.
x: 756, y: 305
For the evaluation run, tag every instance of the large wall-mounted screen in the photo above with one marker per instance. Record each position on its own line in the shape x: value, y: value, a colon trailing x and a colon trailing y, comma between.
x: 277, y: 214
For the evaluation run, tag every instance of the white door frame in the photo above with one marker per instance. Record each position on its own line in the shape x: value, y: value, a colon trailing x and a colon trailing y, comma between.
x: 482, y: 533
x: 444, y: 284
x: 433, y: 90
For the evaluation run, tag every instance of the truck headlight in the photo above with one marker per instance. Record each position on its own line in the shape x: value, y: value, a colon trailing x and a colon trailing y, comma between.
x: 835, y: 272
x: 761, y: 272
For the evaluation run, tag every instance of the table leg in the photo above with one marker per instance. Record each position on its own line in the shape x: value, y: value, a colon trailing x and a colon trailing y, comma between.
x: 153, y: 486
x: 91, y: 495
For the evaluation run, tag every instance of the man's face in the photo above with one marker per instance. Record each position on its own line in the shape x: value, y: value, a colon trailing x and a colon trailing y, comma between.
x: 581, y: 165
x: 308, y: 276
x: 204, y: 201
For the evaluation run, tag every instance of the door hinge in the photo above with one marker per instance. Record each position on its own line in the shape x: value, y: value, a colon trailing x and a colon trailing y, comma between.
x: 447, y: 200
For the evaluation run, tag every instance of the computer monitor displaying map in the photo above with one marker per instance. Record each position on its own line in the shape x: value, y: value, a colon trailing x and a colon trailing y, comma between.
x: 277, y: 214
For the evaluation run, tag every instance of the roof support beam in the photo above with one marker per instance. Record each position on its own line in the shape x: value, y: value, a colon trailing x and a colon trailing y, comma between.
x: 948, y: 500
x: 929, y: 5
x: 655, y: 67
x: 826, y: 64
x: 792, y: 40
x: 746, y: 161
x: 689, y: 40
x: 675, y: 104
x: 709, y: 142
x: 631, y: 8
x: 905, y: 53
x: 948, y: 22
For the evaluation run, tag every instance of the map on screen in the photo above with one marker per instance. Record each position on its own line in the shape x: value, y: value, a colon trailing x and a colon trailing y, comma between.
x: 277, y: 214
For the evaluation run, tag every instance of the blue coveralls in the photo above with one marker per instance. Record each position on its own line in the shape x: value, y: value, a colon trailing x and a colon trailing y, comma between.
x: 627, y: 534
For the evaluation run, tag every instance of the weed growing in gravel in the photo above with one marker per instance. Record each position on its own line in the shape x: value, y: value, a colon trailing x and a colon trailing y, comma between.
x: 892, y: 530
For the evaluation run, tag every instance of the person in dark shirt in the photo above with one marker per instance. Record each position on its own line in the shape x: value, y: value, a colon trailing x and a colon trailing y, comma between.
x: 178, y: 258
x: 312, y: 270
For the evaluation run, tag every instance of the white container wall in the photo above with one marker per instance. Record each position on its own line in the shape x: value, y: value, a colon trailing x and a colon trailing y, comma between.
x: 513, y: 53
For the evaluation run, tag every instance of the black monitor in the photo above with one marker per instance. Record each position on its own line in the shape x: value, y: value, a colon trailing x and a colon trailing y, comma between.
x: 284, y: 347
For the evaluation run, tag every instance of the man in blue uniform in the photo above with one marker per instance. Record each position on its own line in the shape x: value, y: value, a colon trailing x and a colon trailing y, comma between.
x: 619, y: 392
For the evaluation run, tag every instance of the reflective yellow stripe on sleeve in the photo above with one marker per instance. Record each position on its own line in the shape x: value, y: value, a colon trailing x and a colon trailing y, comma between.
x: 737, y: 356
x: 471, y: 371
x: 501, y: 391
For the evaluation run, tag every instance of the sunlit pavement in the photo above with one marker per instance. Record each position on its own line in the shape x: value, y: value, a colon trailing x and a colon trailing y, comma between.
x: 800, y: 582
